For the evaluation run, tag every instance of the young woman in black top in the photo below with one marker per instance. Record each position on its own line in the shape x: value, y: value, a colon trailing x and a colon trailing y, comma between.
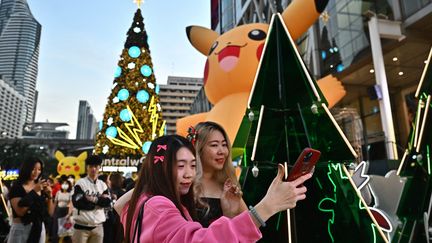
x: 31, y: 201
x: 214, y: 171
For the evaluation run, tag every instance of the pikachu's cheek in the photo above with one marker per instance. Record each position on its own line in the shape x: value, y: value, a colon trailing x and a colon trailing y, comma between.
x: 77, y: 168
x: 259, y: 51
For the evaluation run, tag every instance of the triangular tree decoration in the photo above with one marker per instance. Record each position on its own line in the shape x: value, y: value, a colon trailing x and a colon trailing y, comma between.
x: 287, y: 113
x: 133, y: 116
x: 414, y: 209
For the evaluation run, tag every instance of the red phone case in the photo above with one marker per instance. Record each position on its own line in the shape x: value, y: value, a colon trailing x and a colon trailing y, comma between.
x: 304, y: 164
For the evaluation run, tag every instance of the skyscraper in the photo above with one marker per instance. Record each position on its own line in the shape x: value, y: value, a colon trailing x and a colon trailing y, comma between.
x: 87, y: 124
x: 19, y: 50
x: 11, y: 108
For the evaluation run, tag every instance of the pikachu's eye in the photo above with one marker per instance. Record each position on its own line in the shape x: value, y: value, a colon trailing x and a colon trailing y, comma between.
x: 213, y: 47
x: 257, y: 35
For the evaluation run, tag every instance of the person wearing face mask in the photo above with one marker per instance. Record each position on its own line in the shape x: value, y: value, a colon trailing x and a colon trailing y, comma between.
x: 63, y: 202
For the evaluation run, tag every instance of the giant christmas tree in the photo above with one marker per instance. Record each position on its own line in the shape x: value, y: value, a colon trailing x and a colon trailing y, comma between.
x: 132, y: 117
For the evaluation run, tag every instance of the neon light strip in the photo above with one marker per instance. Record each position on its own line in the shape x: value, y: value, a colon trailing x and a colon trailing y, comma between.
x: 244, y: 157
x: 319, y: 183
x: 427, y: 107
x: 423, y: 74
x: 417, y: 121
x: 402, y: 162
x: 428, y: 159
x: 339, y: 130
x: 289, y: 225
x: 365, y: 205
x: 4, y: 201
x: 373, y: 226
x: 257, y: 133
x: 331, y: 220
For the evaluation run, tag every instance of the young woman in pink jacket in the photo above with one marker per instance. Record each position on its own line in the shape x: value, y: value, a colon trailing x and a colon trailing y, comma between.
x: 162, y: 206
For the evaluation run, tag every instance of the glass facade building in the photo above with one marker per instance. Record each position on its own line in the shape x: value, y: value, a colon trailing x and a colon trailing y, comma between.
x: 19, y: 50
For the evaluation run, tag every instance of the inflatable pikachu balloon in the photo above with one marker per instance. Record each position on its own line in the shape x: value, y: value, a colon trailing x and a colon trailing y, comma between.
x: 232, y: 61
x: 71, y: 165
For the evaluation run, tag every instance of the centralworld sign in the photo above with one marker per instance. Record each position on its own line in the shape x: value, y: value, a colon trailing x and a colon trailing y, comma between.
x: 126, y: 162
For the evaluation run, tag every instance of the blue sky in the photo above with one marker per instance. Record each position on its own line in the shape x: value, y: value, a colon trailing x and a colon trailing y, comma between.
x: 82, y: 40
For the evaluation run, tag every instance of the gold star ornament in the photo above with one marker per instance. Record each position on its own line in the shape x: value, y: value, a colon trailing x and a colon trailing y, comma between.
x: 325, y: 17
x: 139, y: 2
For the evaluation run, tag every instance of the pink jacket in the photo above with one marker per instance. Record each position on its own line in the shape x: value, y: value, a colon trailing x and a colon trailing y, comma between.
x: 162, y: 222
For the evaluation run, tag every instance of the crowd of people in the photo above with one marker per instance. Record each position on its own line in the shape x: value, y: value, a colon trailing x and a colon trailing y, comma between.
x: 64, y: 209
x: 185, y: 191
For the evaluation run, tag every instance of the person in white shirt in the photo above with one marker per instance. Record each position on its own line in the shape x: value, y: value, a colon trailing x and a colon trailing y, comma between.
x: 89, y: 199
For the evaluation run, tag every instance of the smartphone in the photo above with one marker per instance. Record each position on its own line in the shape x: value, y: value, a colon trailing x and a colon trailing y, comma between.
x: 304, y: 164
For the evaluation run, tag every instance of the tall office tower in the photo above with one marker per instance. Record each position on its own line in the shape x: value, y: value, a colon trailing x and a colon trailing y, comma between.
x: 11, y: 108
x: 176, y: 99
x: 87, y: 124
x: 19, y: 50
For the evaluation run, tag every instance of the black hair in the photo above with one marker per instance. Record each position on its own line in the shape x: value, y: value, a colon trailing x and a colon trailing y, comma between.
x: 26, y: 169
x: 93, y: 160
x: 159, y: 178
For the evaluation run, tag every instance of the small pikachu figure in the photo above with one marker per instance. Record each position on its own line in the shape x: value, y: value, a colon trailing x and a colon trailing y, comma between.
x: 71, y: 165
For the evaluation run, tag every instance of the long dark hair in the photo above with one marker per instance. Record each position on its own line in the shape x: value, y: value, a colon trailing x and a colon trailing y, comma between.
x: 159, y: 179
x: 26, y: 169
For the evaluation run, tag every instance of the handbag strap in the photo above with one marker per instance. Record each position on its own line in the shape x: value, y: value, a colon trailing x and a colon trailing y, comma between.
x: 137, y: 230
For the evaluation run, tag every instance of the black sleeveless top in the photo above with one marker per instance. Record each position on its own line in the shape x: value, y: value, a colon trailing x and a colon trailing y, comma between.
x: 214, y: 213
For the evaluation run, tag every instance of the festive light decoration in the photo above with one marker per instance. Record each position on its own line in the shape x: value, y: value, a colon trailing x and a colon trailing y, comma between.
x: 117, y: 72
x: 125, y: 115
x: 127, y: 122
x: 153, y: 108
x: 123, y: 94
x: 142, y: 96
x: 131, y: 65
x: 146, y: 147
x: 127, y: 141
x: 134, y: 52
x: 328, y: 204
x: 111, y: 132
x: 146, y: 70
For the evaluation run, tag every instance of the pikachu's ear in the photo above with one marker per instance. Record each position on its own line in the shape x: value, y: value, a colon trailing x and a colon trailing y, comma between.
x: 59, y: 155
x: 201, y: 38
x: 82, y: 156
x: 301, y: 14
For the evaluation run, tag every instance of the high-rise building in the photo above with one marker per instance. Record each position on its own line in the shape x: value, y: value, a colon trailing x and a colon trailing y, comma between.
x: 87, y: 124
x: 19, y: 50
x: 11, y: 108
x: 176, y: 98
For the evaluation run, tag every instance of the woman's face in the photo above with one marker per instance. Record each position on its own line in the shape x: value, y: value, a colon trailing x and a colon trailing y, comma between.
x: 37, y: 169
x: 186, y: 170
x: 215, y: 152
